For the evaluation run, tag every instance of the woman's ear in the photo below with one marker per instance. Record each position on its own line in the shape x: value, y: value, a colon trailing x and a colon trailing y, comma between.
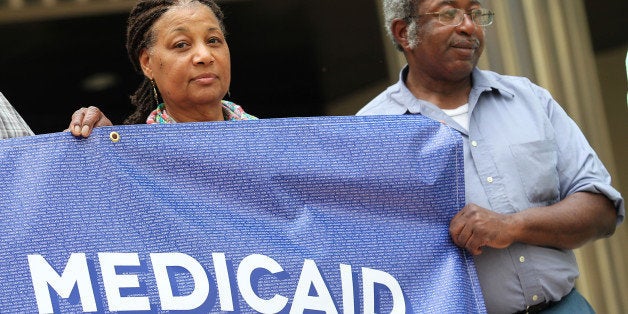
x: 400, y: 32
x: 145, y: 63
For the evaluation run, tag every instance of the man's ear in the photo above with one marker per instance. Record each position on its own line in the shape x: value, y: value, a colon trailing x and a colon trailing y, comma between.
x: 144, y: 63
x: 400, y: 32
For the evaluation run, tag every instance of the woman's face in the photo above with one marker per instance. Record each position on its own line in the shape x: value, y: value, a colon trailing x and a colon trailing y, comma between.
x: 189, y: 61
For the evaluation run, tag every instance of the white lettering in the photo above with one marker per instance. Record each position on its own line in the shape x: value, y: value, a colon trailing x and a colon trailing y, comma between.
x: 372, y: 276
x: 223, y: 281
x: 310, y: 275
x: 346, y: 276
x: 76, y: 273
x: 169, y: 302
x: 312, y: 292
x: 114, y: 282
x: 245, y: 270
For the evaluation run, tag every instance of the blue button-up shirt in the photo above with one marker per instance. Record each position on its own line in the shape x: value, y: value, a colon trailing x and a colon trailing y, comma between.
x: 521, y: 151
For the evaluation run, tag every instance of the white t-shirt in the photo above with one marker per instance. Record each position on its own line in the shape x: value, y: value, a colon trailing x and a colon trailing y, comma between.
x: 460, y: 115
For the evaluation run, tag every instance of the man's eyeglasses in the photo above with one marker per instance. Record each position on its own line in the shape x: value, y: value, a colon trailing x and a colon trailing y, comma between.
x: 454, y: 17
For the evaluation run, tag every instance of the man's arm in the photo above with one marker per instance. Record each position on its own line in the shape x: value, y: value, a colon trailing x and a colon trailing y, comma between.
x: 568, y: 224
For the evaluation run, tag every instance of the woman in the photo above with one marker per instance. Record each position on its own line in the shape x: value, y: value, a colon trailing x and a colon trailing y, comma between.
x: 180, y: 47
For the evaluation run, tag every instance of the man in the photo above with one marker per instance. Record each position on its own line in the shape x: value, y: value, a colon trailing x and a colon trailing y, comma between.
x: 11, y: 123
x: 535, y: 189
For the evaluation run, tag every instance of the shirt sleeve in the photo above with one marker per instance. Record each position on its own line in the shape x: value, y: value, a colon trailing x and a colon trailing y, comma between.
x: 579, y: 167
x: 11, y: 123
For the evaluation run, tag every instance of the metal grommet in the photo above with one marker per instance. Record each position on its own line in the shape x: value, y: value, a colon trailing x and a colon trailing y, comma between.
x: 114, y: 136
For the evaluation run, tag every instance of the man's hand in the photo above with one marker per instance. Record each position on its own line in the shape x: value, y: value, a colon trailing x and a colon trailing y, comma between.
x: 474, y: 227
x: 85, y: 120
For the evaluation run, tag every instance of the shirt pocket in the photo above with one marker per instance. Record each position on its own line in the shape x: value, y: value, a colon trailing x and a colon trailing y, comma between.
x: 536, y: 163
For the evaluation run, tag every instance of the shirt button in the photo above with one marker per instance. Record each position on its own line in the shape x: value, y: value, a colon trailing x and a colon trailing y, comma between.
x: 474, y: 143
x: 522, y: 259
x: 489, y: 179
x: 535, y: 297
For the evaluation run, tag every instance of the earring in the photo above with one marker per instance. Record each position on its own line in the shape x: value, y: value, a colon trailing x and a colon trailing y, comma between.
x: 152, y: 82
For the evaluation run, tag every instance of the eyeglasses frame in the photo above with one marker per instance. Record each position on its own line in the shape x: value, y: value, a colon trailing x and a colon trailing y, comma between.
x: 469, y: 13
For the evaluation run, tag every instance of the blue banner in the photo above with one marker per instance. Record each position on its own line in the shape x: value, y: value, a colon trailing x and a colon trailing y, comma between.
x: 329, y: 214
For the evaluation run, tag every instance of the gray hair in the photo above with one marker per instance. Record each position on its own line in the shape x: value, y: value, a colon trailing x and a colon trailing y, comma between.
x: 402, y: 10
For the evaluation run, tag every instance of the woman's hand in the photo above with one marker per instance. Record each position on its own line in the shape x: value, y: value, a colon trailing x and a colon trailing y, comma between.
x: 85, y: 120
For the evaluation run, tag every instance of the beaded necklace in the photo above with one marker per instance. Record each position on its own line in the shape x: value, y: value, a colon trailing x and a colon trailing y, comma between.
x: 230, y: 111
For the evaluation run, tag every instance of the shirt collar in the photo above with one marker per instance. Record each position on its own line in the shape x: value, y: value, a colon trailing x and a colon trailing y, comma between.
x: 487, y: 80
x: 483, y: 81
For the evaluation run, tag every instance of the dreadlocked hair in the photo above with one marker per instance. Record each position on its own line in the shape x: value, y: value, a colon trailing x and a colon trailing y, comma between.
x: 140, y: 36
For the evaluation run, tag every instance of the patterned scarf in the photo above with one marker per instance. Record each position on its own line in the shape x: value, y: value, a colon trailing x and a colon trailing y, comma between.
x: 230, y: 111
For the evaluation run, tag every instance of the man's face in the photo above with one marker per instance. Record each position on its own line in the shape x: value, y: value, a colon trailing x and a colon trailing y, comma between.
x: 447, y: 52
